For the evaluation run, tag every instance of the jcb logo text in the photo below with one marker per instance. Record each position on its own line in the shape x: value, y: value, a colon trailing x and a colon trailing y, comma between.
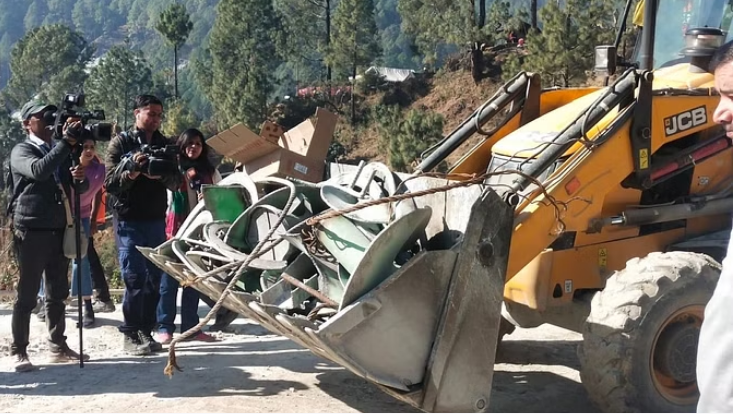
x: 685, y: 120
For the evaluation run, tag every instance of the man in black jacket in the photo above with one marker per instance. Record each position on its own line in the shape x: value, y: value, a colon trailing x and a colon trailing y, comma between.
x: 40, y: 175
x: 139, y: 203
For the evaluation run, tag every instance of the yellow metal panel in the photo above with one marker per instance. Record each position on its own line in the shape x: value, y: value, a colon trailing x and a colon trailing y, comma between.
x: 677, y: 116
x: 556, y: 98
x: 477, y: 160
x: 530, y: 285
x: 585, y: 267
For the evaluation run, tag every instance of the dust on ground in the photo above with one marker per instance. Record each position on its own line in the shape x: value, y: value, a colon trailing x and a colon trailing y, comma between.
x: 252, y: 370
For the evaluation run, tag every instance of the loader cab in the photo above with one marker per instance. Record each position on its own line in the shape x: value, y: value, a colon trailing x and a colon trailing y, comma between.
x: 674, y: 18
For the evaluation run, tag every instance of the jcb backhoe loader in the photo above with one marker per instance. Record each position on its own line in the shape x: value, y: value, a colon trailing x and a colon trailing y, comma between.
x: 603, y: 210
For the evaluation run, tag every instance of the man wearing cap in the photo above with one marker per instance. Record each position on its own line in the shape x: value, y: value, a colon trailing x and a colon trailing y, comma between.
x: 40, y: 167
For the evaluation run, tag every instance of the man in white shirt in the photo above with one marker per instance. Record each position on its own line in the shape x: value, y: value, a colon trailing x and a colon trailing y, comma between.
x: 714, y: 361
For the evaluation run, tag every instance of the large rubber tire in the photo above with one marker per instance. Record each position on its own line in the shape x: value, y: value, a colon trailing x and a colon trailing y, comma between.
x: 621, y: 367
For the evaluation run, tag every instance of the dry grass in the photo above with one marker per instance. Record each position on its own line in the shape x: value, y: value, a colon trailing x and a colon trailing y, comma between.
x: 452, y: 94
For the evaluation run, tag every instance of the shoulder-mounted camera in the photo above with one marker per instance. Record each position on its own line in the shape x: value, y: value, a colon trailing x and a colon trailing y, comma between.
x: 72, y: 109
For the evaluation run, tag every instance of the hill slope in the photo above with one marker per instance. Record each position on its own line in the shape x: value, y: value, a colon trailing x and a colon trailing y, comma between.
x: 452, y: 94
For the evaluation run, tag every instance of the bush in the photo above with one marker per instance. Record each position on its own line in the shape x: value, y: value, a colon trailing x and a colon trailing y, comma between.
x: 406, y: 138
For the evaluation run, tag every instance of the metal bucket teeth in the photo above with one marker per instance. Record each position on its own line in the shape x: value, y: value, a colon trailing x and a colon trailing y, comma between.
x: 295, y: 326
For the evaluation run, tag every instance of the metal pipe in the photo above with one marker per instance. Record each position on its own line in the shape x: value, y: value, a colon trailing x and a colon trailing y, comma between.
x: 662, y: 214
x: 464, y: 131
x: 322, y: 298
x: 623, y: 24
x: 361, y: 164
x: 648, y: 35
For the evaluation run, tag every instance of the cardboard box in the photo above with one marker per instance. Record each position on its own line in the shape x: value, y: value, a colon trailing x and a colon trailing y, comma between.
x: 299, y: 152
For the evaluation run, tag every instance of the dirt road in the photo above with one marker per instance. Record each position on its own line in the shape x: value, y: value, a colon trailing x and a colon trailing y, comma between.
x: 252, y: 370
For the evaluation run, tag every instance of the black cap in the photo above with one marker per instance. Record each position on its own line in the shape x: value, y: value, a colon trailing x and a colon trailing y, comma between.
x: 33, y: 107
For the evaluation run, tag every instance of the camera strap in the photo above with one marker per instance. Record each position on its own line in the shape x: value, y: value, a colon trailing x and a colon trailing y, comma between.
x: 67, y: 206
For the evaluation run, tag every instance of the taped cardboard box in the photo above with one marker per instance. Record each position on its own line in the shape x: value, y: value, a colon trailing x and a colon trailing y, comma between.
x: 299, y: 152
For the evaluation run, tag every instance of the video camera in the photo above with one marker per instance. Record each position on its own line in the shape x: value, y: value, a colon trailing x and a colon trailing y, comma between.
x: 72, y: 110
x: 160, y: 160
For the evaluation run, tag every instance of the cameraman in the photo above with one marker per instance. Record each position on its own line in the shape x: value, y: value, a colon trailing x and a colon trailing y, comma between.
x: 139, y: 203
x: 41, y: 175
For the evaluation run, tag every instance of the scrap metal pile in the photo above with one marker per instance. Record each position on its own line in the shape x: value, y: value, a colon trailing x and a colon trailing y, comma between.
x: 333, y: 280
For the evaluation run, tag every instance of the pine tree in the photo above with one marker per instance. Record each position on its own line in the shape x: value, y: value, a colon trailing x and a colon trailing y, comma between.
x: 563, y: 53
x: 11, y: 133
x: 356, y: 41
x: 242, y: 46
x: 174, y: 24
x: 178, y: 119
x: 121, y: 75
x: 48, y: 61
x: 435, y: 23
x: 307, y: 36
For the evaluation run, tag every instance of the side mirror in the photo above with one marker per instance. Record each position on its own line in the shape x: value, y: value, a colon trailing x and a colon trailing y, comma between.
x: 606, y: 59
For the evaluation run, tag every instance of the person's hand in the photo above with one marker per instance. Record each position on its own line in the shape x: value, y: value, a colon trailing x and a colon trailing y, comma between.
x: 77, y: 172
x: 139, y: 159
x: 199, y: 196
x: 72, y: 132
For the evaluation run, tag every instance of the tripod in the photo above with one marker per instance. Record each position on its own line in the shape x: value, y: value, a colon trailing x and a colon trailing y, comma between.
x: 75, y: 154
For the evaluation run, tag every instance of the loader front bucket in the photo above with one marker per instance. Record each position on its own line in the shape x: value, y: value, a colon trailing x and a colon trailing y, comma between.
x: 424, y: 329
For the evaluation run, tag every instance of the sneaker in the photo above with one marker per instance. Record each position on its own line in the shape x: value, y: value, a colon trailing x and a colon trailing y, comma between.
x: 202, y: 337
x: 65, y: 354
x: 41, y: 315
x: 133, y: 345
x: 103, y: 307
x: 22, y: 363
x: 147, y: 338
x: 164, y: 338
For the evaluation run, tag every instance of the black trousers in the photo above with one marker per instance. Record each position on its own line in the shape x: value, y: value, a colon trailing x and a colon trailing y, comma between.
x: 40, y: 256
x: 99, y: 283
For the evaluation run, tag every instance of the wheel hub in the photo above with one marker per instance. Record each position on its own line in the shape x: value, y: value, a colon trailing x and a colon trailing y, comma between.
x: 673, y: 355
x: 676, y: 352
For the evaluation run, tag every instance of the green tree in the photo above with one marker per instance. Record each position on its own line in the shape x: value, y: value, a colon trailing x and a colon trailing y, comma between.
x: 11, y: 133
x: 48, y: 61
x: 433, y: 23
x: 121, y: 75
x: 89, y: 17
x: 178, y: 118
x: 174, y: 24
x: 309, y: 30
x: 356, y: 41
x: 563, y: 53
x: 307, y: 35
x: 395, y: 44
x: 406, y: 138
x: 242, y: 46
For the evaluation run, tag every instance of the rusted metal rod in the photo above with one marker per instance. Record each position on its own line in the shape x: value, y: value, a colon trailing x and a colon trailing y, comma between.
x: 310, y: 290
